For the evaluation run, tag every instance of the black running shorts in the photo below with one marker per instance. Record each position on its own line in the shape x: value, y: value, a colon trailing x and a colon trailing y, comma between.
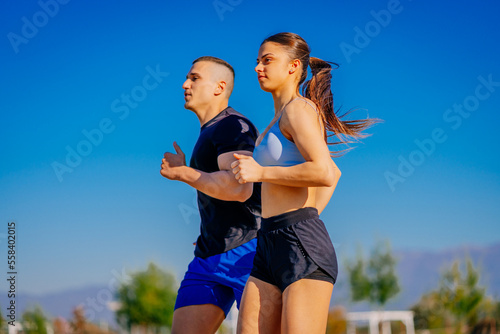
x: 292, y: 246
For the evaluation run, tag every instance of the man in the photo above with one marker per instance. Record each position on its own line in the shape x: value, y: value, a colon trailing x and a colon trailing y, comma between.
x: 229, y: 211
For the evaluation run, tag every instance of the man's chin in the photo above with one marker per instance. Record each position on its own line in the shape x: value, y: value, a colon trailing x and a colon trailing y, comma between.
x: 188, y: 106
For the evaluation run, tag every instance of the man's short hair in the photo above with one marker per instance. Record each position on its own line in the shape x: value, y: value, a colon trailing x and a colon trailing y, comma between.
x: 217, y: 61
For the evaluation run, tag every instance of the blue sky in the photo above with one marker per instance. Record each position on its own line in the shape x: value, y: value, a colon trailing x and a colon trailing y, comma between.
x: 427, y: 179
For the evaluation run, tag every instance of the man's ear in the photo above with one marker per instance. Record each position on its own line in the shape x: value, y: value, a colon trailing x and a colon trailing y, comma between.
x: 221, y: 87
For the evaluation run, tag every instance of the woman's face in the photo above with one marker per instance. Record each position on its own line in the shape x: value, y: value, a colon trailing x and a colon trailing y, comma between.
x: 273, y: 66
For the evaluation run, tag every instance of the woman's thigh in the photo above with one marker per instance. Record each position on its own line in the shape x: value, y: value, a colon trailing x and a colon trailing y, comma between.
x: 305, y: 306
x: 260, y: 309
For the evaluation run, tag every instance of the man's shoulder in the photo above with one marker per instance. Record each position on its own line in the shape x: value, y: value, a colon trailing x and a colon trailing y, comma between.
x: 230, y: 111
x: 230, y: 115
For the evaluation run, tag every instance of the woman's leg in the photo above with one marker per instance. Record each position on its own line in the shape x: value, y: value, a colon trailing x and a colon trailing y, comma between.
x: 260, y: 309
x: 305, y: 306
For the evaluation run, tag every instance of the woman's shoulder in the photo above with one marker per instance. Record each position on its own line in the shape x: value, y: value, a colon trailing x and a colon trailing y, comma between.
x: 300, y: 108
x: 299, y: 116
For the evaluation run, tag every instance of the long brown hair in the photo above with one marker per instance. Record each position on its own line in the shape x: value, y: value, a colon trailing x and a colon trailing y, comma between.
x: 318, y: 90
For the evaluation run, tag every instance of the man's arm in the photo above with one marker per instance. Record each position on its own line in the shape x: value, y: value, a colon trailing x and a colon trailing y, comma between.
x: 221, y: 184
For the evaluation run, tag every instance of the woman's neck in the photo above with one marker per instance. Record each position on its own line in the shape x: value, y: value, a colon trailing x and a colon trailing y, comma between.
x: 282, y: 98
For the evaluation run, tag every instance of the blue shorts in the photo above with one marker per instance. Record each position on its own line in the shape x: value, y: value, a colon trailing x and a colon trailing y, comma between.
x: 218, y: 279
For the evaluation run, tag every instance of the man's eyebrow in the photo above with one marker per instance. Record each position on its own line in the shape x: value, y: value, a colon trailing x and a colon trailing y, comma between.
x: 192, y: 74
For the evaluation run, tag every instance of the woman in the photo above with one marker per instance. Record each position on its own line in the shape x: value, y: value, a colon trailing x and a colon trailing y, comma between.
x: 295, y: 267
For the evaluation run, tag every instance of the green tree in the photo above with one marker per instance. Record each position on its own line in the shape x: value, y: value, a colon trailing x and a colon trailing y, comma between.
x: 374, y: 280
x: 34, y: 321
x: 147, y: 300
x: 457, y: 302
x: 489, y: 310
x: 461, y: 294
x: 430, y: 313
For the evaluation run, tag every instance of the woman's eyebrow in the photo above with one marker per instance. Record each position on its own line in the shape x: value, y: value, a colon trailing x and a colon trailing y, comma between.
x: 267, y: 54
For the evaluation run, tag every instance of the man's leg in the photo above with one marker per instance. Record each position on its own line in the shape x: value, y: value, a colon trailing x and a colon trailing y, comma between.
x: 197, y: 319
x: 202, y: 300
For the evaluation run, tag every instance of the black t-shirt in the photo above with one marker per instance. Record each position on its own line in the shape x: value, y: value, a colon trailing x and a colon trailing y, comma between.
x: 225, y: 224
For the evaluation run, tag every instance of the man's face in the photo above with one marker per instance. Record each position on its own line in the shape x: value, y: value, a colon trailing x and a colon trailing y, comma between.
x: 199, y: 86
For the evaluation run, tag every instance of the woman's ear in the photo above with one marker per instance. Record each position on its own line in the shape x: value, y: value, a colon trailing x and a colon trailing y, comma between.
x: 294, y: 66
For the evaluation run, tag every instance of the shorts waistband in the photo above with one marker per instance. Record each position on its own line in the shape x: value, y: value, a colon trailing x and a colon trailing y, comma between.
x: 288, y: 218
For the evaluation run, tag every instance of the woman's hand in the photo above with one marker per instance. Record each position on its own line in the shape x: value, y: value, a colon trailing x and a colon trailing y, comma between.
x: 246, y: 169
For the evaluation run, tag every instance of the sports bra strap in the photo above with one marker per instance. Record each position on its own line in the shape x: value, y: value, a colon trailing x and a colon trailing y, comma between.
x: 305, y: 100
x: 309, y: 103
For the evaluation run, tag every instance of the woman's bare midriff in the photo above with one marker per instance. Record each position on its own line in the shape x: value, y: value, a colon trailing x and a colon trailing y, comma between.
x: 278, y: 199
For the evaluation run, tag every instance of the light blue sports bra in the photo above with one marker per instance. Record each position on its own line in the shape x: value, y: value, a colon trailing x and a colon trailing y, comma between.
x: 276, y: 150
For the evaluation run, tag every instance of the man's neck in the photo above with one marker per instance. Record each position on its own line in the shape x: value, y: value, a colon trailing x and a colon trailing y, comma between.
x: 210, y: 112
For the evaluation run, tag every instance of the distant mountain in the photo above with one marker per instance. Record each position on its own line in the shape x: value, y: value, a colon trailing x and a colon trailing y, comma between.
x: 61, y: 304
x: 418, y: 272
x: 416, y: 268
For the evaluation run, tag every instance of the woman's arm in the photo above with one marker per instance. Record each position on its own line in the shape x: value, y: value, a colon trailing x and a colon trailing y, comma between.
x: 323, y: 194
x: 302, y: 125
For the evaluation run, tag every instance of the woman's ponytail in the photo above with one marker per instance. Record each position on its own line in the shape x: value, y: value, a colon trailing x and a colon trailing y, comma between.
x: 318, y: 90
